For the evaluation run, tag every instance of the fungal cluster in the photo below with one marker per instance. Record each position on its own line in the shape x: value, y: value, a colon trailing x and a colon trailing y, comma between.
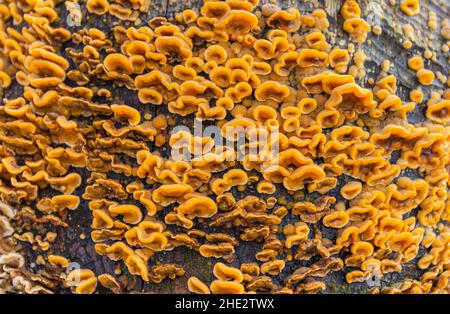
x: 87, y: 122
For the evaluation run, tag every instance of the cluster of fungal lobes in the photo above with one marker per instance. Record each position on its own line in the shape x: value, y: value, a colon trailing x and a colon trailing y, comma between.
x: 341, y: 199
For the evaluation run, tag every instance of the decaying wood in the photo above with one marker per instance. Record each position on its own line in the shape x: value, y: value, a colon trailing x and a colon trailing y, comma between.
x: 387, y: 46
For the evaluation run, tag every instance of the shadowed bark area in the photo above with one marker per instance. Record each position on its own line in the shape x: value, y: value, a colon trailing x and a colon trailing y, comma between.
x: 386, y: 46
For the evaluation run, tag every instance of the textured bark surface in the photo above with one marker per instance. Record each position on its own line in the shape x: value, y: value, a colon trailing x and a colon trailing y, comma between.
x: 386, y: 46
